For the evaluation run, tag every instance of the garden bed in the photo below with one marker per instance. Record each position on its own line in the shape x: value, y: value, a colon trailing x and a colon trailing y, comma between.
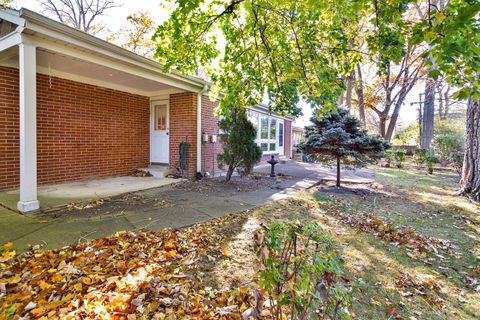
x: 253, y: 182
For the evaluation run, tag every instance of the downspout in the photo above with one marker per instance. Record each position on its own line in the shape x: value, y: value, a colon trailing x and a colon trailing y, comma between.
x: 199, y: 128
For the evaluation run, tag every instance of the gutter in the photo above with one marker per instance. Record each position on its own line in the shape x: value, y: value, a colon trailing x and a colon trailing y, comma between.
x: 261, y: 107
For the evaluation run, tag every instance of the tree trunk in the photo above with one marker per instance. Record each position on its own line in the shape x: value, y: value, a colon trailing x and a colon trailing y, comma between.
x: 382, y: 125
x: 420, y: 121
x: 229, y: 173
x: 340, y: 98
x: 393, y: 119
x: 441, y: 109
x: 446, y: 97
x: 349, y: 91
x: 338, y: 171
x: 470, y: 181
x: 428, y: 114
x: 360, y: 97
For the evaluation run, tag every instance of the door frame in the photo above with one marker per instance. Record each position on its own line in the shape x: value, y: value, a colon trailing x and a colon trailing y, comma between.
x: 152, y: 125
x: 280, y: 150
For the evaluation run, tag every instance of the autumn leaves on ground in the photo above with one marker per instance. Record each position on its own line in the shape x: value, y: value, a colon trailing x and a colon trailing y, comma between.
x: 410, y: 250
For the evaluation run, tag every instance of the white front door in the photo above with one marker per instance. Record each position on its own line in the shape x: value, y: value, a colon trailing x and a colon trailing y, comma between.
x: 160, y: 132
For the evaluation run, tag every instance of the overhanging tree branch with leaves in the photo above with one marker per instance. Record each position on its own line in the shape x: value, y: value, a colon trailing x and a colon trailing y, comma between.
x: 290, y: 50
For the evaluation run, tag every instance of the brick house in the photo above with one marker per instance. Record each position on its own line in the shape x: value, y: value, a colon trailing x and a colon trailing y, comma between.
x: 73, y: 106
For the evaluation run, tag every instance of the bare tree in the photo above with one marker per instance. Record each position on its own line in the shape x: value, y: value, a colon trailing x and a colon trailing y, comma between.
x: 349, y: 92
x: 428, y: 118
x: 358, y: 84
x: 6, y: 3
x: 385, y: 95
x: 393, y: 88
x: 428, y: 122
x: 136, y: 36
x: 444, y: 102
x: 79, y: 14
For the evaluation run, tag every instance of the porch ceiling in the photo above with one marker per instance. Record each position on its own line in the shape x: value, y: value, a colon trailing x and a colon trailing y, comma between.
x: 72, y: 68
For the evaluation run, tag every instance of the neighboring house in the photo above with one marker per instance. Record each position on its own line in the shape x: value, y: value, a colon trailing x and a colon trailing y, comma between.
x: 298, y: 135
x: 74, y: 106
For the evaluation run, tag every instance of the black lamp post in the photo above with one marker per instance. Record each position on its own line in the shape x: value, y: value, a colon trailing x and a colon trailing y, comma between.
x: 272, y: 162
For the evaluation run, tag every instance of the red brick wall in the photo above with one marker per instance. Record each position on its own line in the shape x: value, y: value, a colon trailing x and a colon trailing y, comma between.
x: 82, y: 130
x: 183, y: 127
x: 210, y: 127
x: 288, y: 139
x: 9, y: 129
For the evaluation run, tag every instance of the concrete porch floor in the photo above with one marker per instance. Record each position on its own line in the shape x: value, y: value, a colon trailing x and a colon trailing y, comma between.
x: 58, y: 195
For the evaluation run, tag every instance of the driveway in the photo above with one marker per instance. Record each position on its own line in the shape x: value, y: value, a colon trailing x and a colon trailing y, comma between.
x: 158, y: 208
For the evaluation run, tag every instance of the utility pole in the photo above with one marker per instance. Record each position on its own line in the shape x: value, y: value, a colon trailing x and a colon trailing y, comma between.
x: 420, y: 115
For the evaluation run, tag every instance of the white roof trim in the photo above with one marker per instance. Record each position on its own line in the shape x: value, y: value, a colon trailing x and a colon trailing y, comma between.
x: 33, y: 23
x: 261, y: 108
x: 12, y: 16
x: 10, y: 40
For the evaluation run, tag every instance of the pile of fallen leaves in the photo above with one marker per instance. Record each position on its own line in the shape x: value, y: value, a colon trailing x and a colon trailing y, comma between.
x: 129, y: 275
x: 85, y: 205
x: 141, y: 173
x: 429, y: 289
x: 372, y: 224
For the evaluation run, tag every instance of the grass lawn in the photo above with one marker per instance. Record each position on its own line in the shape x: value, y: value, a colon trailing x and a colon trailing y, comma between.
x: 388, y: 279
x: 210, y: 270
x: 390, y: 273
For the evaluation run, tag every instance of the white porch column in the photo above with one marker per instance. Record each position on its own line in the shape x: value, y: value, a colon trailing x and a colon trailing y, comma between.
x: 28, y: 128
x: 199, y: 132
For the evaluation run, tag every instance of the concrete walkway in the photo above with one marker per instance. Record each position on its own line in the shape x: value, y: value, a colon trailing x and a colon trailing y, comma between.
x: 317, y: 172
x: 154, y: 209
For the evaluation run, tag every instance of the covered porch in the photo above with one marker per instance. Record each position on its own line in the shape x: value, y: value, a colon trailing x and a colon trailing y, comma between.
x: 86, y: 108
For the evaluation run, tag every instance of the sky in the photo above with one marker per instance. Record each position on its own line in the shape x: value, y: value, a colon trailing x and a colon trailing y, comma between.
x: 115, y: 19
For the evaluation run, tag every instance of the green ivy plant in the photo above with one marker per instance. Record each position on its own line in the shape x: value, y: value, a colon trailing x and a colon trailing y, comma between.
x: 301, y: 272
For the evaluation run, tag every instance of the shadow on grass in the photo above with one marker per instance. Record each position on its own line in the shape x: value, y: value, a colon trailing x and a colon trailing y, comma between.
x: 426, y: 220
x: 371, y: 264
x: 222, y: 266
x: 372, y: 267
x: 383, y: 265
